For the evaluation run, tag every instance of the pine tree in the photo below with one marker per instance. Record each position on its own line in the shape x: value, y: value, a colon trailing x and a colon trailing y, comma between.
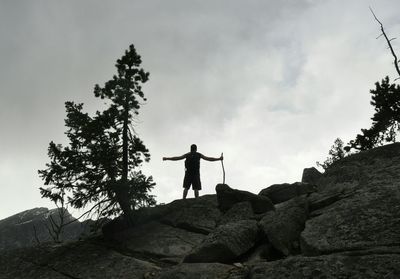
x: 385, y: 121
x: 336, y: 153
x: 99, y: 168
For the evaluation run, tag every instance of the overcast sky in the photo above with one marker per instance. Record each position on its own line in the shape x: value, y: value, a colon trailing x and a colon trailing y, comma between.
x: 269, y: 83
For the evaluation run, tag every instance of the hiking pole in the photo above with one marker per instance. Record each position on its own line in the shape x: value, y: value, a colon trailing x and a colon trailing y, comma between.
x: 223, y: 169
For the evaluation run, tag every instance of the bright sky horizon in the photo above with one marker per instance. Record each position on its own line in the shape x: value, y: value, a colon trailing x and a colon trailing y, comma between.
x: 271, y: 84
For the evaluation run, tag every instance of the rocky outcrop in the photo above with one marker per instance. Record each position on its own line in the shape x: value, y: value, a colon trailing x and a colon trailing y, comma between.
x: 359, y: 210
x: 345, y: 225
x: 227, y: 197
x: 278, y: 193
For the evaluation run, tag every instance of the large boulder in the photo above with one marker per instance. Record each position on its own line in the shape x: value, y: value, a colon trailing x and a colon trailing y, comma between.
x: 311, y: 176
x: 227, y: 197
x: 226, y: 243
x: 284, y: 225
x: 159, y: 240
x: 278, y: 193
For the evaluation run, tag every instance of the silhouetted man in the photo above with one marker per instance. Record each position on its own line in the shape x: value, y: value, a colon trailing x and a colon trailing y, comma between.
x: 192, y: 166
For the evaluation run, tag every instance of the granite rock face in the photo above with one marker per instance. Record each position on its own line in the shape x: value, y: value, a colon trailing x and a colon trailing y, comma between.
x: 345, y: 225
x: 361, y: 207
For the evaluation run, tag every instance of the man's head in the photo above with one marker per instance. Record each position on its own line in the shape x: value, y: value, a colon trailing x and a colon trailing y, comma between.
x: 193, y: 148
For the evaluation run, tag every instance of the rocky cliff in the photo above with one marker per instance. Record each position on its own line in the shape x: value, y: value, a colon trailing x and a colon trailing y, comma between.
x: 344, y: 223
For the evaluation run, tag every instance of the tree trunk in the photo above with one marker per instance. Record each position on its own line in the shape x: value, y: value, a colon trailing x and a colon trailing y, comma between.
x: 122, y: 194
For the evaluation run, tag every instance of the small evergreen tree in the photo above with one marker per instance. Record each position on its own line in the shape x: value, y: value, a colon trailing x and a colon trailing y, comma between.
x: 99, y: 167
x: 385, y: 121
x: 336, y: 153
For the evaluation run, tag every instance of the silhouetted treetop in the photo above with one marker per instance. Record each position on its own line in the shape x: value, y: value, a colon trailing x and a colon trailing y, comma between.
x: 385, y: 121
x: 336, y: 153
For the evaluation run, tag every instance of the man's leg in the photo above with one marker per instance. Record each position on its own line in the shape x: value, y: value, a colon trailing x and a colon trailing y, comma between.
x: 186, y: 185
x: 185, y: 192
x: 196, y: 185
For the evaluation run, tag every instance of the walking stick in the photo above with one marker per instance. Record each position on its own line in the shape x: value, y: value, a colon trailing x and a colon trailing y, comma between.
x: 223, y: 169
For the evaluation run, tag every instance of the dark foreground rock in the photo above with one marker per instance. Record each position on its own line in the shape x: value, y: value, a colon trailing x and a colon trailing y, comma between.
x: 202, y: 271
x: 227, y: 197
x: 77, y: 260
x: 330, y: 266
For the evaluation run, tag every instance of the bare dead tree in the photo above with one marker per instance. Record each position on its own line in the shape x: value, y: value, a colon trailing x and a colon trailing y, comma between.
x: 396, y: 61
x: 56, y: 226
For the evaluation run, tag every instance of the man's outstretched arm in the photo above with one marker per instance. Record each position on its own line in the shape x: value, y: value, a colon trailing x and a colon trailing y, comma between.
x: 212, y: 159
x: 177, y: 158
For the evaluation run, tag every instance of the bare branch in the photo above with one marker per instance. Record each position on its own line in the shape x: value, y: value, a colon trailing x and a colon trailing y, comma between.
x: 88, y: 211
x: 396, y: 65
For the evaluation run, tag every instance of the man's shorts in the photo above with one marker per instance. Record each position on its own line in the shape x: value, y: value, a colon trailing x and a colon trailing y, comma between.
x: 192, y: 179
